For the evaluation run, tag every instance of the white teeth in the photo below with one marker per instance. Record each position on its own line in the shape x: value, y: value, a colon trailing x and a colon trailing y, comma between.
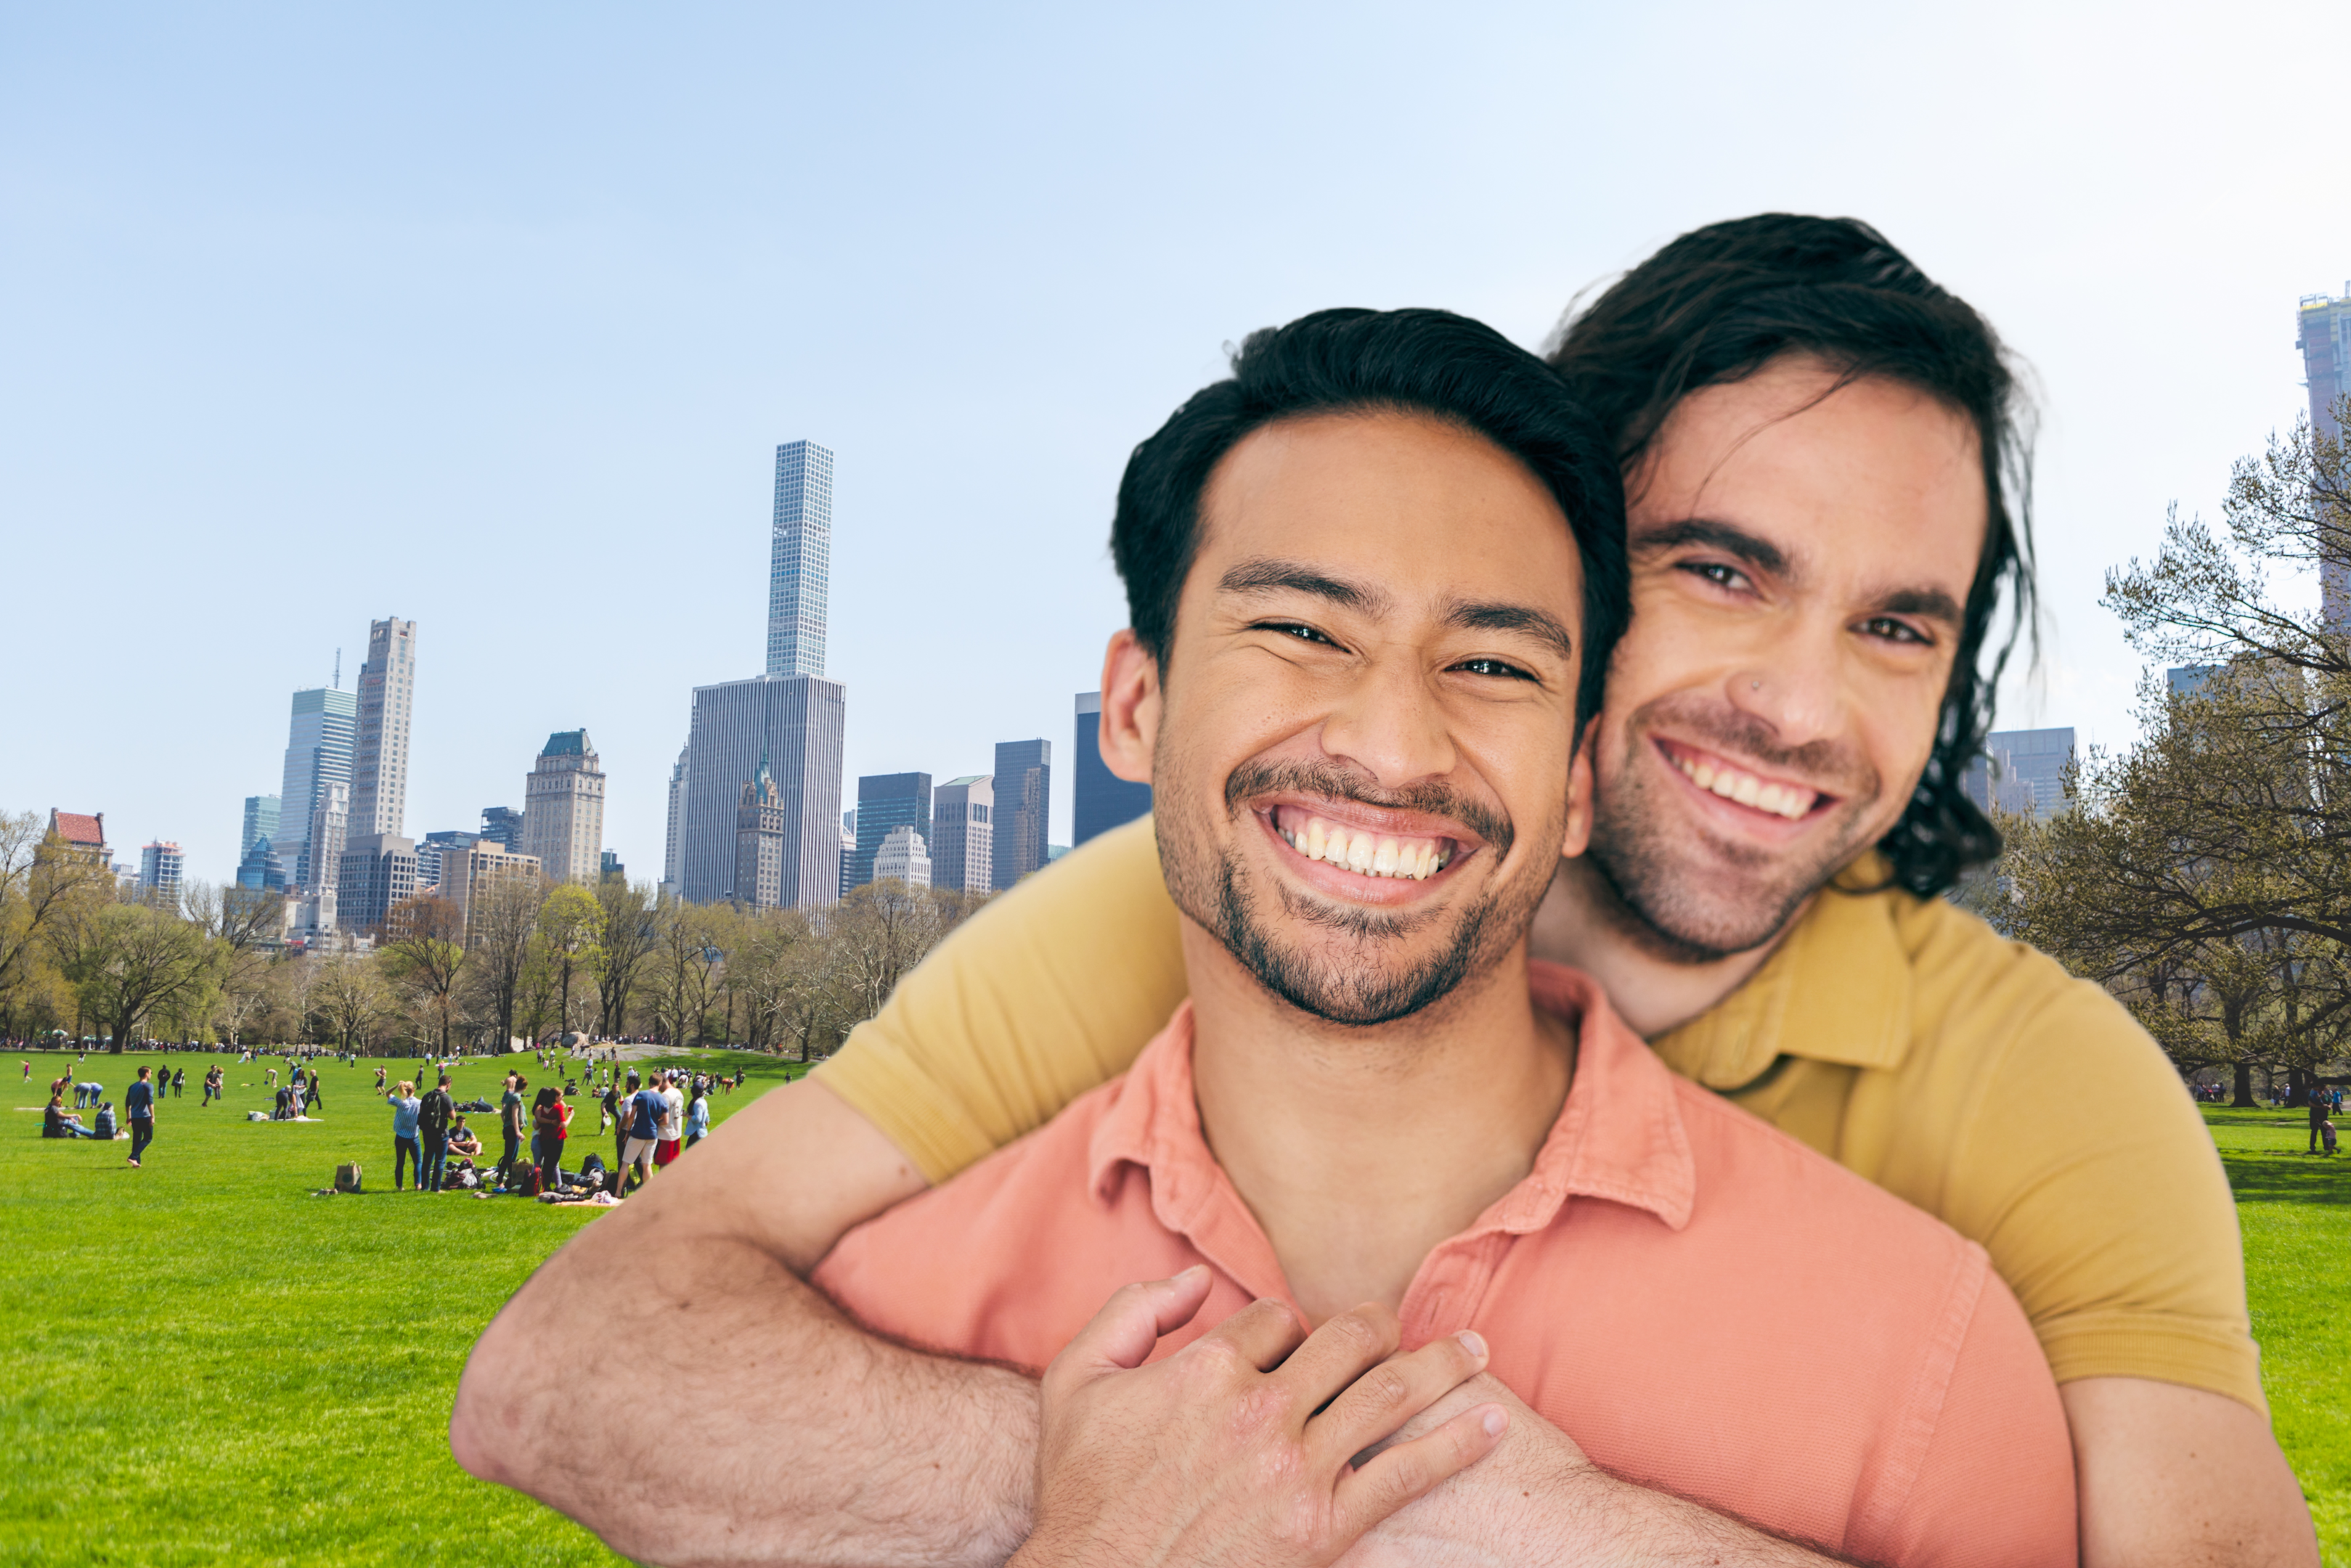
x: 1781, y: 799
x: 1365, y: 853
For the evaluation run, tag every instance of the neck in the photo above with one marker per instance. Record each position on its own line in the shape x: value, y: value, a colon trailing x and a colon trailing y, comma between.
x: 1359, y: 1149
x: 1582, y: 923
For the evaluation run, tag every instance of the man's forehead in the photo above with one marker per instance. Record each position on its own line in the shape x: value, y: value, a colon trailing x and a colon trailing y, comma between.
x: 1392, y: 504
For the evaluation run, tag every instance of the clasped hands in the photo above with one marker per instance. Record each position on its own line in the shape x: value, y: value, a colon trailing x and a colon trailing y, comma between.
x: 1260, y: 1444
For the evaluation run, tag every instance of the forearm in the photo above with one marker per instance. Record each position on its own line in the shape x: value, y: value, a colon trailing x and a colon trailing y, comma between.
x: 1593, y: 1519
x: 737, y: 1416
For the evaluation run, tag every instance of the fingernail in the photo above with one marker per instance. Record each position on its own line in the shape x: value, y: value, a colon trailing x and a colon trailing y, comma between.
x: 1494, y: 1422
x: 1193, y: 1272
x: 1473, y: 1341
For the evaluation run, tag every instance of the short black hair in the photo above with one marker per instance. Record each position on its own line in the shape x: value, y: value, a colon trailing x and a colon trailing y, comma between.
x: 1430, y: 362
x: 1721, y: 303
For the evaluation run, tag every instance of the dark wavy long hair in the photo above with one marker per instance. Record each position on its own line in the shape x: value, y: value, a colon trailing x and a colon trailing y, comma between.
x: 1721, y: 302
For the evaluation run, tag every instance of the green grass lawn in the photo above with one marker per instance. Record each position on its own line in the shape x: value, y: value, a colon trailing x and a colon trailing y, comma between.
x: 2295, y: 1211
x: 202, y: 1363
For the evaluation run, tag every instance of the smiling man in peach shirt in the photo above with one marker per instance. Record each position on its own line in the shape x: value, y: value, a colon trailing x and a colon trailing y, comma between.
x: 1376, y: 575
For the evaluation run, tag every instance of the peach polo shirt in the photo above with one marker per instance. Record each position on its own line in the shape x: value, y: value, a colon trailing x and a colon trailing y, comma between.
x: 1705, y: 1304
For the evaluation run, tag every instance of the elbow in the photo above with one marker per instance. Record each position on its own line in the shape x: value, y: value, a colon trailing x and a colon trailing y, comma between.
x: 486, y: 1424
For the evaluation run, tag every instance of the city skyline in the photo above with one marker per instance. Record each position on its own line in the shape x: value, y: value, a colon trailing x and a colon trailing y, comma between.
x: 521, y: 362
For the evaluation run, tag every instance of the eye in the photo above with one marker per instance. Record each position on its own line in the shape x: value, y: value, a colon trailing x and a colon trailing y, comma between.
x: 1717, y: 573
x: 1893, y: 630
x: 1494, y: 667
x: 1297, y: 628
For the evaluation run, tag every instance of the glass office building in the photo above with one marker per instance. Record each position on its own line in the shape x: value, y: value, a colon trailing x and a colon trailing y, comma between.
x: 799, y: 567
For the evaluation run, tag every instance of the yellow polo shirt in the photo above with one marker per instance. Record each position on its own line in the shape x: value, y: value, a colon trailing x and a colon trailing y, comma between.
x: 1901, y: 1036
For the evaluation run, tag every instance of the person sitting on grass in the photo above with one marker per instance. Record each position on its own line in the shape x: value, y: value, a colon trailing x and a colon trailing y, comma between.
x: 462, y: 1142
x: 56, y: 1122
x: 103, y: 1126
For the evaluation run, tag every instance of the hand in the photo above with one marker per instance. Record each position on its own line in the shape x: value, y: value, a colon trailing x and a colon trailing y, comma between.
x: 1239, y: 1449
x: 1517, y: 1506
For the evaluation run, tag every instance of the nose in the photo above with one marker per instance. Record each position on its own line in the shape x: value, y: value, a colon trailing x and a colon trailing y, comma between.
x: 1792, y: 685
x: 1389, y: 722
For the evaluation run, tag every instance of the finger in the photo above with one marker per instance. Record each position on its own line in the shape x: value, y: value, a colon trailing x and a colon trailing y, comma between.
x: 1334, y: 1355
x: 1410, y: 1471
x: 1122, y: 1335
x: 1386, y: 1396
x: 1262, y: 1334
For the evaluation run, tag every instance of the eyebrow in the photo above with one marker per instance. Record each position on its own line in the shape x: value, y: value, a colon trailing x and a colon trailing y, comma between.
x: 1492, y: 617
x: 1759, y: 553
x: 1258, y: 576
x: 1766, y: 557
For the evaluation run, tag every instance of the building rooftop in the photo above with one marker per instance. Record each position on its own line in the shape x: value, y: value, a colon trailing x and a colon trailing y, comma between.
x: 967, y: 778
x: 76, y: 828
x: 566, y: 743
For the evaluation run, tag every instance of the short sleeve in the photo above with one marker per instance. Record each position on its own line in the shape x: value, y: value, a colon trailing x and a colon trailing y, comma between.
x: 1051, y: 989
x: 1995, y: 1485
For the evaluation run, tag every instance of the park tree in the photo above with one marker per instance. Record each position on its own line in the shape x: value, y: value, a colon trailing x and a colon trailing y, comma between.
x: 2205, y: 874
x: 424, y: 951
x: 348, y: 997
x: 687, y: 967
x: 631, y: 928
x: 501, y: 932
x: 569, y: 947
x: 128, y: 961
x: 879, y: 932
x: 40, y: 881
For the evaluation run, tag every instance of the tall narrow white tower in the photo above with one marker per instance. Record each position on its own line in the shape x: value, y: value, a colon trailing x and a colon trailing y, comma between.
x: 799, y: 571
x: 379, y: 751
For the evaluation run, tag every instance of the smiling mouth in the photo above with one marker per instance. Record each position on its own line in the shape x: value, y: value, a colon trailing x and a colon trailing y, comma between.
x: 1404, y: 857
x: 1719, y: 777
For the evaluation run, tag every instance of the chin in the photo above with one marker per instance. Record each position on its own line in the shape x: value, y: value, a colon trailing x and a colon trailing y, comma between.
x: 1705, y: 908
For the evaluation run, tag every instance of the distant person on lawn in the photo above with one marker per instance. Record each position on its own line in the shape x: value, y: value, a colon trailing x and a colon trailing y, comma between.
x: 433, y: 1117
x: 644, y: 1114
x: 462, y: 1142
x: 510, y: 1123
x: 405, y: 1110
x: 138, y: 1106
x: 552, y: 1118
x: 56, y: 1122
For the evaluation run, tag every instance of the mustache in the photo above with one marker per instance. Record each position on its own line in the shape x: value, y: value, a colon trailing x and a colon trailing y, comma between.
x: 1744, y: 735
x: 1434, y: 797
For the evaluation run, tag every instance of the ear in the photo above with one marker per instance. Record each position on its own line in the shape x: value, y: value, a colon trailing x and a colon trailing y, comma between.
x: 1130, y: 707
x: 1578, y: 837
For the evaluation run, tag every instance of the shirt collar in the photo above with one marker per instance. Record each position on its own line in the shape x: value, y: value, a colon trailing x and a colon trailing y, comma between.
x: 1619, y: 1136
x: 1837, y: 990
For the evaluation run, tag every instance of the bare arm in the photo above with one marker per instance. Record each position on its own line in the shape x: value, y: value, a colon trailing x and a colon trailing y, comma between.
x: 2173, y: 1477
x: 769, y: 1427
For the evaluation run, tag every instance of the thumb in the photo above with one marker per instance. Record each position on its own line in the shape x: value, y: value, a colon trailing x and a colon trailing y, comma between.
x: 1122, y: 1335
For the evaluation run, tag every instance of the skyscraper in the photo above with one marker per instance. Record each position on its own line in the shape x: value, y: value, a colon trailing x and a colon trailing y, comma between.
x: 2323, y: 333
x: 1024, y: 801
x: 799, y: 567
x: 1100, y: 799
x: 379, y: 870
x: 961, y: 834
x: 159, y: 872
x: 263, y: 868
x: 759, y: 842
x: 563, y: 808
x: 901, y: 858
x: 434, y: 846
x: 503, y: 826
x: 2021, y: 770
x: 318, y: 758
x: 380, y: 748
x: 886, y: 802
x: 675, y: 843
x: 796, y: 722
x: 260, y: 821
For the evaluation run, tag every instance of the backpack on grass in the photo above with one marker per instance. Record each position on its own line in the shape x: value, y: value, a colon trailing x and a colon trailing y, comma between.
x: 347, y: 1176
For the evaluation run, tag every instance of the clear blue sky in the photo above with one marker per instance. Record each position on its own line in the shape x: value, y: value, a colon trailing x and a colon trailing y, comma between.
x: 491, y: 316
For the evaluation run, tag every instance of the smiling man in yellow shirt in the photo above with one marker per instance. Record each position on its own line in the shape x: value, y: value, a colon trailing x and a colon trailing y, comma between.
x: 1820, y: 476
